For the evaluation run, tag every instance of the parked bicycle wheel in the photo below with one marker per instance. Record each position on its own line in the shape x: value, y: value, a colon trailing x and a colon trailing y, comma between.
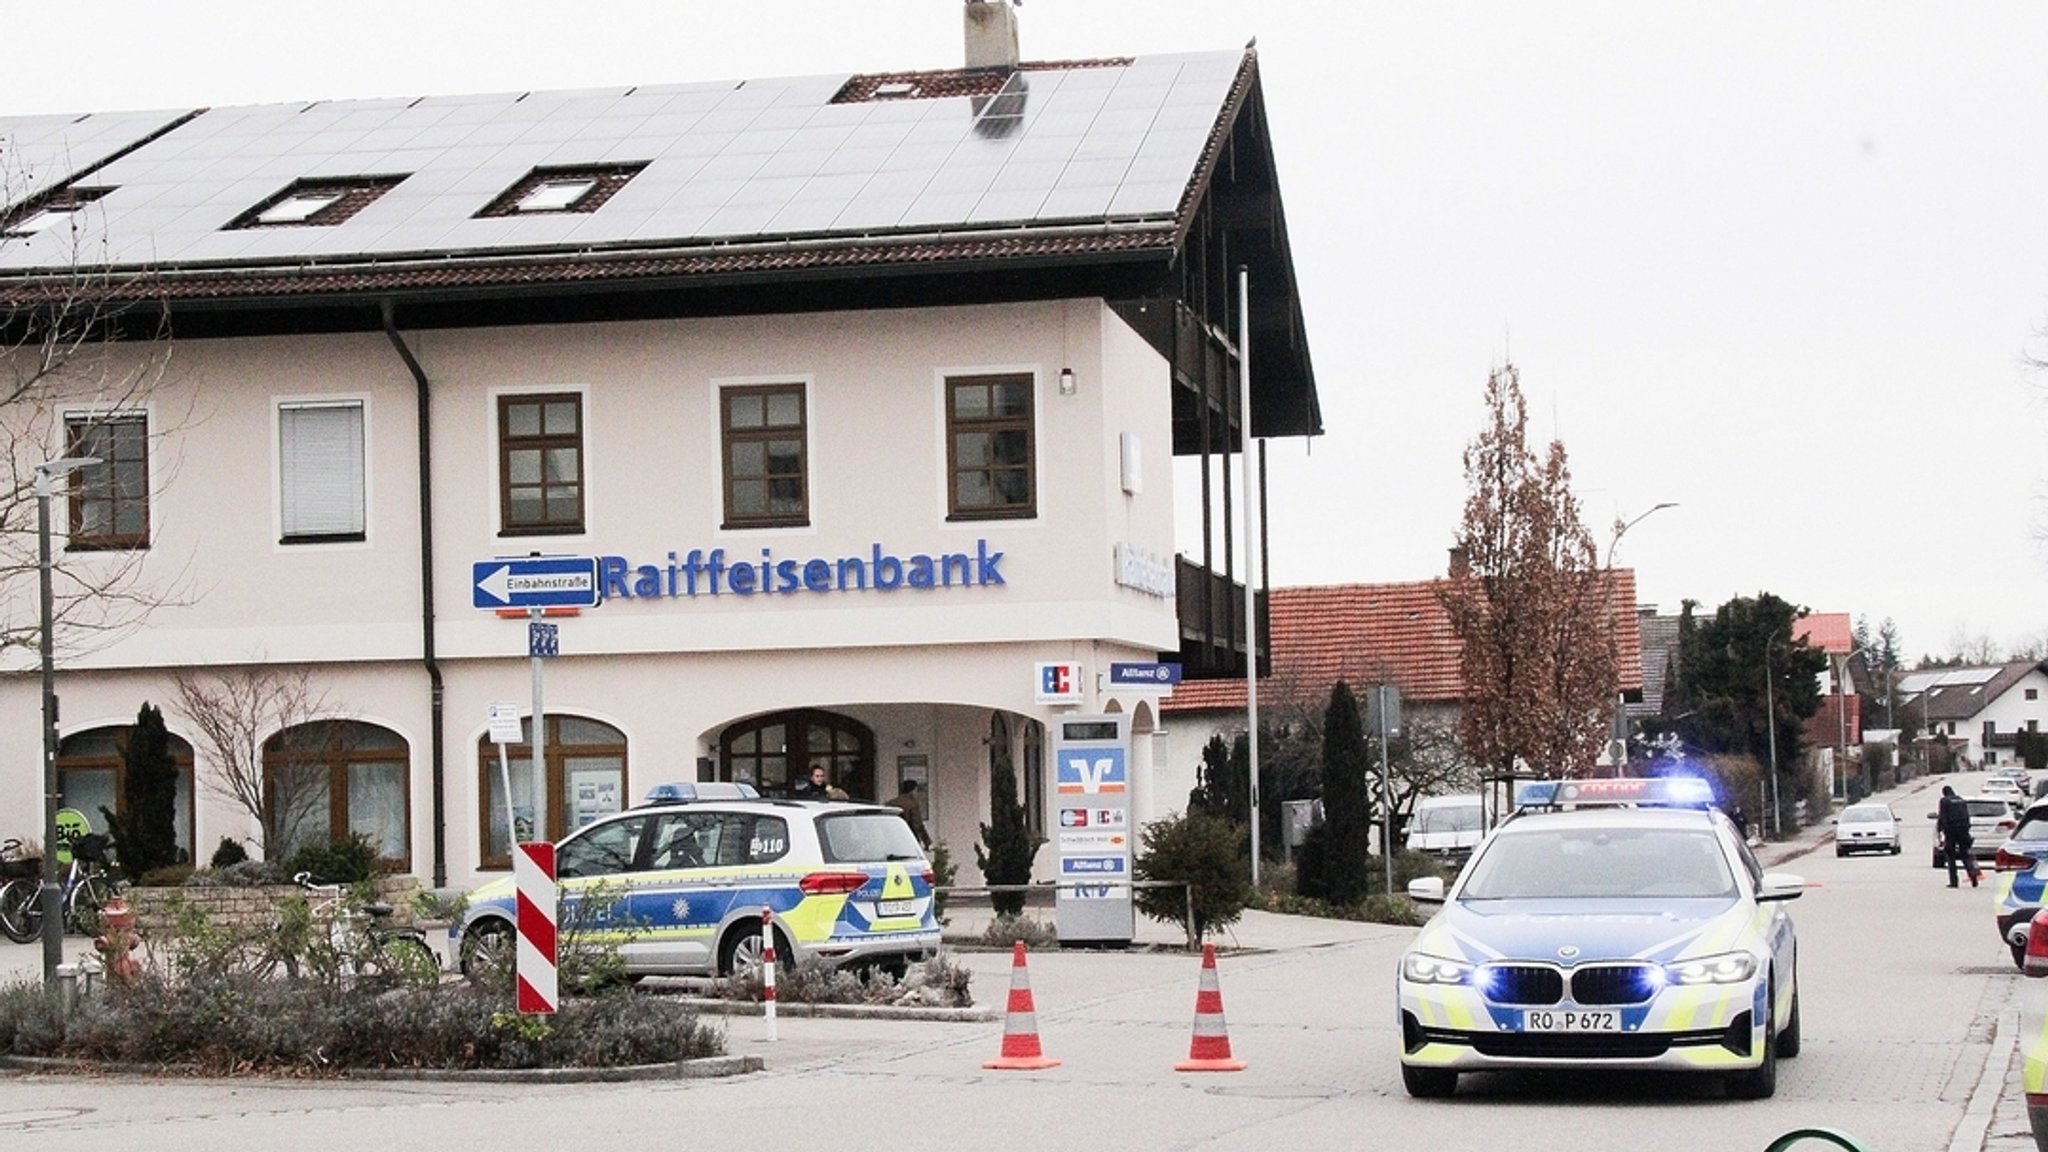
x: 88, y: 904
x: 21, y: 916
x: 405, y: 960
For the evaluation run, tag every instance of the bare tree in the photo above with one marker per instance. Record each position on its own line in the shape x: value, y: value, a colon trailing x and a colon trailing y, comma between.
x: 240, y: 714
x: 1530, y: 606
x: 81, y: 346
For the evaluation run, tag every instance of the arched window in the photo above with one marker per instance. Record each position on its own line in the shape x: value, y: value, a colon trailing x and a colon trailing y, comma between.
x: 92, y: 773
x: 330, y: 778
x: 586, y: 769
x: 770, y: 751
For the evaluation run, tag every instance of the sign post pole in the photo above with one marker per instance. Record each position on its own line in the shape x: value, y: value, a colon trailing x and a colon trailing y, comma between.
x: 505, y: 729
x: 534, y: 633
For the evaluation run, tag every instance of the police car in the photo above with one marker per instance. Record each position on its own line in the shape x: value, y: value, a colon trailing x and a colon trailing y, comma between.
x: 2019, y: 881
x: 689, y: 874
x: 1605, y: 924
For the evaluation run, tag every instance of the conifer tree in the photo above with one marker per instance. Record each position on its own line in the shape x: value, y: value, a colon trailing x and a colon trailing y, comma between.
x: 1007, y: 846
x: 145, y: 831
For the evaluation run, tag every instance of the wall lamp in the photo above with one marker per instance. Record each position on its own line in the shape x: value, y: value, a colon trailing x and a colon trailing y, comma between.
x: 1066, y: 381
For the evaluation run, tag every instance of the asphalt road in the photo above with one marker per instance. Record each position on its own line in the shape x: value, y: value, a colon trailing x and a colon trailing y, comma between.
x: 1907, y: 997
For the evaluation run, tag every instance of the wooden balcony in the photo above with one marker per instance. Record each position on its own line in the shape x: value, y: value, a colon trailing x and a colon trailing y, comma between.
x: 1212, y: 632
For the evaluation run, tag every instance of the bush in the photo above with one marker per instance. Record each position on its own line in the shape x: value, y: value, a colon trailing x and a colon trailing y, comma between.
x: 943, y: 871
x: 1006, y: 930
x: 349, y: 860
x: 229, y: 852
x: 173, y: 876
x: 936, y: 982
x: 1206, y: 852
x: 1007, y: 847
x: 239, y: 1024
x: 243, y: 874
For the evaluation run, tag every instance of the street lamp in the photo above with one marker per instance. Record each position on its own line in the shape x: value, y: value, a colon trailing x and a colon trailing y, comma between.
x: 1771, y: 734
x: 47, y: 476
x: 1618, y: 746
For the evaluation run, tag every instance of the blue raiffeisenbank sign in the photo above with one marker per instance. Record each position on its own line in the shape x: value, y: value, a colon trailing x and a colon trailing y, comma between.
x: 701, y: 572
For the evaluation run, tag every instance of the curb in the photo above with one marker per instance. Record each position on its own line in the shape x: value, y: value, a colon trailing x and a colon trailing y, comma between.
x: 710, y: 1007
x: 706, y: 1068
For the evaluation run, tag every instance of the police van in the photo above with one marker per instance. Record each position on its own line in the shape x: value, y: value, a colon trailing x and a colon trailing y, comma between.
x: 685, y: 878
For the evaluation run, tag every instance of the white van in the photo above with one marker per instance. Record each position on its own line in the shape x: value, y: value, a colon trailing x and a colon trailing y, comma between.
x: 1448, y: 827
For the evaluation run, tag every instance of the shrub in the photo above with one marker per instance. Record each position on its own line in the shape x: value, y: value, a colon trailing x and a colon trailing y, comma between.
x: 936, y: 982
x: 172, y: 876
x: 1006, y: 930
x: 243, y: 874
x: 943, y: 871
x: 1006, y: 849
x: 239, y: 1024
x: 229, y: 852
x: 1206, y: 852
x: 349, y: 860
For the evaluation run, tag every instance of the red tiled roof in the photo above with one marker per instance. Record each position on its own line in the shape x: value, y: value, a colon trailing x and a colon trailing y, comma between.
x: 1840, y: 719
x: 1828, y: 631
x: 1369, y: 633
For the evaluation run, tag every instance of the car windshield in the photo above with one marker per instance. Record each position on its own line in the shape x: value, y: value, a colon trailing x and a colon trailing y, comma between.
x: 1865, y: 816
x: 2034, y: 827
x: 867, y: 838
x: 1596, y: 863
x: 1990, y: 810
x: 1452, y: 818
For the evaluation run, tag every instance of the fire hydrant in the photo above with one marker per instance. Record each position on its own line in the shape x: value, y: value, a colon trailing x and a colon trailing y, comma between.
x: 117, y: 939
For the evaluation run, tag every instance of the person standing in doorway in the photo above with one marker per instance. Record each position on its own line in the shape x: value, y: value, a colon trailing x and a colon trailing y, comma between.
x: 913, y: 815
x: 811, y: 787
x: 1953, y: 818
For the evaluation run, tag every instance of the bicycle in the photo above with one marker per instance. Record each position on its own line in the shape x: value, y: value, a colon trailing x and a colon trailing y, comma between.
x: 21, y: 886
x: 360, y: 942
x: 86, y: 889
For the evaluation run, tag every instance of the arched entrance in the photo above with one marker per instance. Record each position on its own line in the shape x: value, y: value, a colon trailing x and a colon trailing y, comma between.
x: 771, y: 750
x: 92, y: 768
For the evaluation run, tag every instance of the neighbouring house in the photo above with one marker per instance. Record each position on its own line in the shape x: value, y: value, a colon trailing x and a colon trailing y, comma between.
x: 861, y: 393
x: 1362, y: 634
x: 1980, y: 710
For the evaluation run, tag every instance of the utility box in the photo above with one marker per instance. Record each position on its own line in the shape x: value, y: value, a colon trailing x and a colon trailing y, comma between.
x: 1092, y: 785
x: 1296, y: 818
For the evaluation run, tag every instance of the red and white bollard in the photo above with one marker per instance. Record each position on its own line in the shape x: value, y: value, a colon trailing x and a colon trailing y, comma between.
x: 768, y: 968
x: 533, y: 876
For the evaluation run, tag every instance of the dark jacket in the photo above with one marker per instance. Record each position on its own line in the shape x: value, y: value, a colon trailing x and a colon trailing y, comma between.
x: 1954, y: 819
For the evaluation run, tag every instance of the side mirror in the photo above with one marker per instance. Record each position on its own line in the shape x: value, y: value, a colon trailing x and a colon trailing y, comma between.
x: 1834, y: 820
x: 1931, y: 815
x: 1426, y: 890
x: 1780, y: 886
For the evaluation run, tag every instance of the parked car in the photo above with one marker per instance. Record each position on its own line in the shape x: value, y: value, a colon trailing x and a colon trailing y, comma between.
x: 1992, y: 819
x: 2021, y: 878
x: 2005, y: 788
x: 1447, y: 827
x: 1867, y: 827
x: 2034, y: 1027
x: 1612, y: 924
x: 848, y: 884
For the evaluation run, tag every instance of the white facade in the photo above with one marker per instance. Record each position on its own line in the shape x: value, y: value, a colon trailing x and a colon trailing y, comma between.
x: 924, y: 670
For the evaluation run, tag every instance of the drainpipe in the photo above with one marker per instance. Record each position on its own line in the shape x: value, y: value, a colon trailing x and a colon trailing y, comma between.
x: 438, y: 693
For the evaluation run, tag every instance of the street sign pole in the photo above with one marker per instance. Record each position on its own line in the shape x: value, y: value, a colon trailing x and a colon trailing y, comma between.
x: 540, y: 730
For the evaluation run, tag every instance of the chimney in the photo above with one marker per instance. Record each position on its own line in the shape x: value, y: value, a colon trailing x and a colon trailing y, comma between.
x: 991, y: 34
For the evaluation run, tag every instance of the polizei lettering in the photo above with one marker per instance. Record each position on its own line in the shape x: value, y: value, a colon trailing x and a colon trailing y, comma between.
x: 713, y: 573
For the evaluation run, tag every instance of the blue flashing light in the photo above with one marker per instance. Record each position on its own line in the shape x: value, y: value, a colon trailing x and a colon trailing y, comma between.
x: 671, y: 793
x: 1664, y: 791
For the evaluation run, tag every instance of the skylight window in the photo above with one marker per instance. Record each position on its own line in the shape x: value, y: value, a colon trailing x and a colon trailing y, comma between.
x: 555, y: 196
x: 58, y: 210
x: 560, y: 190
x: 294, y: 209
x: 317, y: 202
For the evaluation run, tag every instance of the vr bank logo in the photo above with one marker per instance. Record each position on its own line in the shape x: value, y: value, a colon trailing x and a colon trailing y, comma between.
x: 1092, y: 773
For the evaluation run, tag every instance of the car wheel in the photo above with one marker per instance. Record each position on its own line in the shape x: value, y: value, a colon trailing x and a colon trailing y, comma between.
x: 741, y: 952
x: 1788, y: 1036
x: 1895, y: 848
x: 1841, y: 851
x: 1760, y: 1082
x: 2019, y: 956
x: 1428, y: 1083
x: 486, y: 952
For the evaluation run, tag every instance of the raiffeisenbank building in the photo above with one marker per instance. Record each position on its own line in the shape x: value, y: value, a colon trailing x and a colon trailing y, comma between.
x: 859, y: 394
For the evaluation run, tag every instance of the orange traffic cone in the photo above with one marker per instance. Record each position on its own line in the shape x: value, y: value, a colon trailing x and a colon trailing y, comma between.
x: 1020, y: 1026
x: 1209, y: 1051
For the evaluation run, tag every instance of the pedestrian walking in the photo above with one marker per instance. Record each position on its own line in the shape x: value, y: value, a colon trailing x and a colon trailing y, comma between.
x: 1952, y: 817
x: 913, y: 815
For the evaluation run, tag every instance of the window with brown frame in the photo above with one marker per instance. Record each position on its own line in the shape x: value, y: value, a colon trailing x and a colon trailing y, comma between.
x: 329, y: 779
x: 990, y: 447
x: 110, y: 499
x: 773, y: 751
x: 764, y: 429
x: 540, y: 464
x: 586, y: 779
x: 92, y: 774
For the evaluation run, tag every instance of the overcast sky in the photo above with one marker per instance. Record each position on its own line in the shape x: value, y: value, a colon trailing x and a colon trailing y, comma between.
x: 1778, y: 264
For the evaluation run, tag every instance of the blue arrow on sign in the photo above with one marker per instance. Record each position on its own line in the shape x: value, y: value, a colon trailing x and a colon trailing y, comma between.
x: 535, y: 582
x: 1135, y: 675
